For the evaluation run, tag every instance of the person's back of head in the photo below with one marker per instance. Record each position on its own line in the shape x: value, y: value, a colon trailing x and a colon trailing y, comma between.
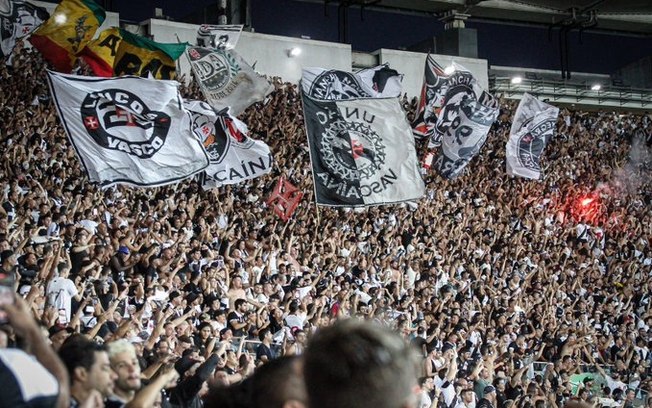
x: 277, y: 384
x: 355, y: 364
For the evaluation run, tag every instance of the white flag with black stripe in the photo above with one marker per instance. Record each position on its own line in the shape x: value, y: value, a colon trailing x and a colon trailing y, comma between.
x: 128, y: 130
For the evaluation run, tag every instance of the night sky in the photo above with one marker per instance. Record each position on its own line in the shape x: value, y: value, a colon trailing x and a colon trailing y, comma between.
x: 500, y: 44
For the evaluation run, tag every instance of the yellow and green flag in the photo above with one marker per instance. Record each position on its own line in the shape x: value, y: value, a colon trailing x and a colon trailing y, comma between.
x: 67, y: 31
x: 117, y: 52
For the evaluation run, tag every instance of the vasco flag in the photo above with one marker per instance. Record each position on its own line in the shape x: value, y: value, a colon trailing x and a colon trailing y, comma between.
x: 128, y: 130
x: 362, y: 152
x: 533, y: 126
x: 117, y: 52
x: 378, y: 82
x: 67, y: 31
x: 234, y: 156
x: 226, y: 80
x: 223, y: 37
x: 284, y: 199
x: 466, y: 133
x: 435, y: 84
x: 17, y: 20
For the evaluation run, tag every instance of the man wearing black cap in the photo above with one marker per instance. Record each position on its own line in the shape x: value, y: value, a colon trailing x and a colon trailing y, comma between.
x: 7, y: 261
x: 489, y: 399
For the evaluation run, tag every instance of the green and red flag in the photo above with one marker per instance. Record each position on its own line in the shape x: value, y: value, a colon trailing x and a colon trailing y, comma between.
x: 65, y: 34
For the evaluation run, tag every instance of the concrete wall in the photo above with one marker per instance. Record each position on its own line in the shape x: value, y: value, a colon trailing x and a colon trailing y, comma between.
x: 411, y: 65
x: 269, y: 52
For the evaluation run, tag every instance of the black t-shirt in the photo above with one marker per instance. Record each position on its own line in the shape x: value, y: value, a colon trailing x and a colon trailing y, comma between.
x: 239, y: 319
x: 264, y: 350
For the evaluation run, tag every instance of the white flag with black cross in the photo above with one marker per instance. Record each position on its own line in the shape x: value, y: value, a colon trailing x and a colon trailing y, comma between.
x: 128, y: 130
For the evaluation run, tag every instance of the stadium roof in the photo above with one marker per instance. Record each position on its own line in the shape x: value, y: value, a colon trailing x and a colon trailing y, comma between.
x: 614, y: 15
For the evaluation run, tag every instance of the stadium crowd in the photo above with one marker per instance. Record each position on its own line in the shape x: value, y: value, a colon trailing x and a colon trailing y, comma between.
x: 510, y: 289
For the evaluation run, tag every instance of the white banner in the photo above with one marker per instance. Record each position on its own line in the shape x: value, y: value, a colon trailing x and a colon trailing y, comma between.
x: 128, y: 130
x: 532, y: 128
x: 234, y: 156
x: 226, y: 80
x: 377, y: 82
x: 223, y: 37
x: 362, y: 152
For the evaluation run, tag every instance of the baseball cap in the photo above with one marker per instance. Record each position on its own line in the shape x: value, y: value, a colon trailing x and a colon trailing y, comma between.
x: 123, y: 250
x: 6, y: 254
x: 489, y: 389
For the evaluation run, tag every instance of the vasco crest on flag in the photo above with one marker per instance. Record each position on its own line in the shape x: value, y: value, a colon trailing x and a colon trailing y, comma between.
x: 226, y: 80
x: 533, y: 126
x: 17, y: 20
x: 128, y: 130
x: 234, y: 156
x: 362, y: 152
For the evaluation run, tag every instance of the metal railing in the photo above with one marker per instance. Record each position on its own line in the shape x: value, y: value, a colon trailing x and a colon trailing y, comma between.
x: 573, y: 92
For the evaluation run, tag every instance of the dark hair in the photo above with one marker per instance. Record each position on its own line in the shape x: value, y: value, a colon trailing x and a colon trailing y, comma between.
x: 78, y: 351
x: 262, y: 333
x: 239, y: 302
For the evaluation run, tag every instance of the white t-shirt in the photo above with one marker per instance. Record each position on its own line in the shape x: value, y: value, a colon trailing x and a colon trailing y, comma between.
x: 60, y: 293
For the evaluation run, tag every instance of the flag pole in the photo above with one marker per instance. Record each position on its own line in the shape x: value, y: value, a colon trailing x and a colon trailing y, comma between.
x: 314, y: 183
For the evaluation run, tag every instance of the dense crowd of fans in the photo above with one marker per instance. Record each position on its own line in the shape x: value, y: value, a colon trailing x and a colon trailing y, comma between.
x: 509, y: 288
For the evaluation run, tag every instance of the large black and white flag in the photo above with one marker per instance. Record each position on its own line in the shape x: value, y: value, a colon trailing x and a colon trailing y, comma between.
x: 533, y: 126
x: 466, y: 133
x: 18, y: 19
x: 435, y: 84
x: 234, y: 156
x: 223, y: 37
x: 362, y: 152
x: 377, y: 82
x: 128, y: 130
x: 226, y: 80
x: 455, y: 87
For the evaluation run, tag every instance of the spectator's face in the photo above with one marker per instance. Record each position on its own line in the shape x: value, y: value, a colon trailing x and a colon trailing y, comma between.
x: 101, y: 377
x: 126, y: 367
x: 205, y: 332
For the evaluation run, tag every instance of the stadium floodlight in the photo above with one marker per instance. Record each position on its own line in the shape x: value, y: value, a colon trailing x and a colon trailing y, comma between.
x: 449, y: 70
x: 596, y: 87
x: 294, y: 52
x: 517, y: 80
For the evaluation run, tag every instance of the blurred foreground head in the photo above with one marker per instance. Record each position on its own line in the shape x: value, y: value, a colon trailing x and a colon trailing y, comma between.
x: 277, y: 384
x: 355, y: 364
